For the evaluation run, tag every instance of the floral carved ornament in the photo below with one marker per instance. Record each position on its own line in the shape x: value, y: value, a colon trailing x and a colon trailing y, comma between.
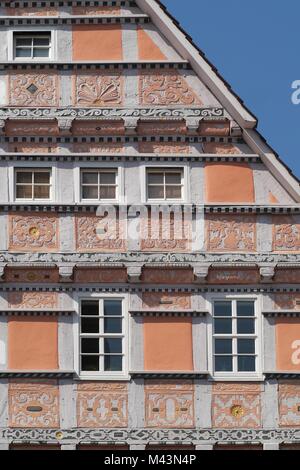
x: 33, y: 89
x: 98, y: 90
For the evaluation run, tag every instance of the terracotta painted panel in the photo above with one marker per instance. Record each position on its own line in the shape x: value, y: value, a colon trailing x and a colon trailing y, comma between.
x: 98, y: 127
x: 33, y: 404
x: 32, y: 11
x: 164, y: 147
x: 31, y: 275
x: 96, y: 11
x: 167, y: 276
x: 214, y: 129
x: 169, y: 405
x: 219, y: 148
x: 165, y: 233
x: 162, y: 128
x: 233, y: 233
x: 290, y: 301
x: 100, y: 275
x: 47, y: 128
x: 290, y: 276
x: 168, y: 344
x: 33, y: 89
x: 32, y: 148
x: 32, y: 343
x: 89, y: 236
x: 97, y: 89
x: 288, y: 344
x: 100, y: 148
x: 229, y: 182
x: 32, y: 300
x: 33, y: 232
x: 233, y: 276
x: 289, y: 404
x: 236, y: 406
x: 102, y: 405
x: 166, y: 88
x: 166, y: 300
x: 286, y: 233
x: 148, y: 50
x: 97, y: 42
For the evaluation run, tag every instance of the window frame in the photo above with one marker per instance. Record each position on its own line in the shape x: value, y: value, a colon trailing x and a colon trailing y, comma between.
x: 102, y: 375
x: 98, y: 171
x: 185, y: 170
x: 33, y: 32
x: 258, y: 335
x: 33, y: 170
x: 90, y: 166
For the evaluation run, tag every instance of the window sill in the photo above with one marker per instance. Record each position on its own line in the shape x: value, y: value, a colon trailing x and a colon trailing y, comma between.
x: 104, y: 378
x: 238, y: 378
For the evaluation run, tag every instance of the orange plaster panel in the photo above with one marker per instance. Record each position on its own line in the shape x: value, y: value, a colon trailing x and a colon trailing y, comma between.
x: 288, y: 344
x: 168, y: 344
x: 32, y: 343
x: 229, y: 182
x: 97, y: 42
x: 148, y: 50
x: 273, y: 199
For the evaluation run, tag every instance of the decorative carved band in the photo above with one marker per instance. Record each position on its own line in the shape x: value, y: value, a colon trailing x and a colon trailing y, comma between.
x: 166, y: 313
x: 145, y: 436
x: 111, y: 113
x: 40, y: 21
x: 35, y: 313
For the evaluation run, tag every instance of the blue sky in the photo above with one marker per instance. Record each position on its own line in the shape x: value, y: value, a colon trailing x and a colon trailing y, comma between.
x: 255, y: 47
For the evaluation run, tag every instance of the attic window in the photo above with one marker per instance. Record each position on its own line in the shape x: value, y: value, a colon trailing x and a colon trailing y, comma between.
x: 32, y: 45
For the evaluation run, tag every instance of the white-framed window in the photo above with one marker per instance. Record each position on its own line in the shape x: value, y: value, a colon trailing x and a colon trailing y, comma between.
x: 99, y: 184
x: 164, y: 184
x: 235, y: 330
x: 33, y: 184
x: 32, y: 45
x: 103, y: 337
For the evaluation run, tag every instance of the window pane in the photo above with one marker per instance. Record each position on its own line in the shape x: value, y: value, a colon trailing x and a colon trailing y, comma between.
x: 89, y: 177
x: 246, y: 364
x: 112, y: 345
x: 23, y: 52
x: 23, y: 41
x: 107, y: 192
x: 223, y: 364
x: 90, y: 307
x: 155, y: 178
x: 245, y: 326
x: 90, y: 345
x: 89, y: 325
x: 24, y: 177
x: 42, y: 177
x: 40, y: 52
x: 107, y: 178
x: 223, y: 346
x: 222, y: 309
x: 223, y: 326
x: 113, y: 307
x: 41, y: 192
x: 90, y: 192
x: 90, y: 363
x: 24, y: 192
x: 173, y: 178
x: 156, y: 192
x: 112, y: 325
x: 113, y: 363
x: 173, y: 192
x: 246, y: 346
x: 245, y: 309
x: 41, y: 41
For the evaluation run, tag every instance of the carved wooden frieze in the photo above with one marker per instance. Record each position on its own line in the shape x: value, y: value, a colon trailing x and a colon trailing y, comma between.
x: 164, y: 147
x: 98, y: 90
x: 167, y: 276
x: 32, y: 11
x: 225, y: 149
x: 169, y: 405
x: 102, y: 405
x: 165, y: 234
x: 45, y: 128
x: 290, y: 301
x: 32, y: 300
x: 214, y: 129
x: 236, y: 405
x: 231, y: 233
x: 286, y: 234
x: 33, y: 404
x: 289, y: 404
x: 162, y: 128
x: 33, y: 89
x: 98, y: 148
x: 93, y: 235
x: 96, y: 10
x: 98, y: 127
x: 33, y: 232
x: 32, y: 148
x: 233, y: 276
x: 166, y: 88
x: 86, y: 275
x: 31, y: 275
x: 166, y: 301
